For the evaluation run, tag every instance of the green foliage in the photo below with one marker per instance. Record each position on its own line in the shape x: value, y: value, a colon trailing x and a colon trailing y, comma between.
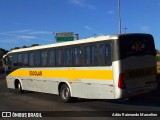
x: 158, y: 58
x: 32, y: 45
x: 2, y: 52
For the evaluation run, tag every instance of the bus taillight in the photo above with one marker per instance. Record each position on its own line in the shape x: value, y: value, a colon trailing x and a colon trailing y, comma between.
x: 121, y: 83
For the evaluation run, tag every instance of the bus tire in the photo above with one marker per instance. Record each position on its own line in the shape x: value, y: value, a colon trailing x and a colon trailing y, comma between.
x: 19, y: 88
x: 65, y: 93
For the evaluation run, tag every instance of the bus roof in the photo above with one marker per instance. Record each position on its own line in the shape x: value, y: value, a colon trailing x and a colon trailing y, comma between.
x: 87, y: 40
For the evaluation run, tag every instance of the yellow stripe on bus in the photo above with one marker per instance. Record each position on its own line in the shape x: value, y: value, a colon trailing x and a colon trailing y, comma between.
x: 71, y: 74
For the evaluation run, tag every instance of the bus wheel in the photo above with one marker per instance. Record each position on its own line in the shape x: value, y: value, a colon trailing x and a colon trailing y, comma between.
x: 65, y: 93
x: 19, y: 88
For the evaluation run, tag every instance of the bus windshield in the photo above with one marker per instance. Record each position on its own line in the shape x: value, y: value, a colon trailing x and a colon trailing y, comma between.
x: 136, y: 45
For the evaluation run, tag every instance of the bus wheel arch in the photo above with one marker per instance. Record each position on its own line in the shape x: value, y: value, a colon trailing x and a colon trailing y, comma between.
x: 65, y: 92
x: 18, y: 86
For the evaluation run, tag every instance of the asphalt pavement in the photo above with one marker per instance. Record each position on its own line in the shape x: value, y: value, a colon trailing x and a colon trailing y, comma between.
x: 10, y: 100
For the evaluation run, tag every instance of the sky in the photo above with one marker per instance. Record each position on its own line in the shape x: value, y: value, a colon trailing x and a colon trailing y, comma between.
x: 26, y: 22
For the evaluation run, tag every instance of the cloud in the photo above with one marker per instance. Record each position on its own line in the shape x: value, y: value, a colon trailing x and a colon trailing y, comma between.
x: 25, y: 32
x: 95, y: 32
x: 91, y: 7
x: 16, y: 39
x: 8, y: 40
x: 110, y: 12
x: 82, y: 3
x: 6, y: 34
x: 88, y: 28
x: 21, y: 31
x: 40, y: 32
x: 78, y: 2
x: 26, y: 37
x: 145, y: 28
x: 28, y: 31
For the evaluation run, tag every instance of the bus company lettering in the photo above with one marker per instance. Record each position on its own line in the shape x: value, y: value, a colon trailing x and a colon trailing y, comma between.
x: 35, y: 73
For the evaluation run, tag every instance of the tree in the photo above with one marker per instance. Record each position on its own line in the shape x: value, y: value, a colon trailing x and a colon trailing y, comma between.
x: 15, y: 48
x: 157, y: 51
x: 34, y: 45
x: 2, y: 52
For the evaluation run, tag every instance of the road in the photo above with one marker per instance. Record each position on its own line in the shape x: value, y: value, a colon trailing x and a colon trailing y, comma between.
x: 33, y: 101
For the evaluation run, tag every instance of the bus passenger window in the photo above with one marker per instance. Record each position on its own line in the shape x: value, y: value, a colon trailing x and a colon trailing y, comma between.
x: 86, y: 55
x: 20, y: 59
x: 105, y: 54
x: 15, y: 60
x: 38, y: 58
x: 44, y: 58
x: 31, y: 59
x: 108, y: 54
x: 59, y: 57
x: 51, y: 58
x: 68, y: 56
x: 94, y: 55
x: 77, y: 56
x: 25, y: 59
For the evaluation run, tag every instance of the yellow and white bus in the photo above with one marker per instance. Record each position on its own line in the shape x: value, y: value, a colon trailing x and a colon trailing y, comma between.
x: 104, y: 67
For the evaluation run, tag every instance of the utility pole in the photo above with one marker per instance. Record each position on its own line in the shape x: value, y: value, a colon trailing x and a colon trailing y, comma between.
x: 119, y: 17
